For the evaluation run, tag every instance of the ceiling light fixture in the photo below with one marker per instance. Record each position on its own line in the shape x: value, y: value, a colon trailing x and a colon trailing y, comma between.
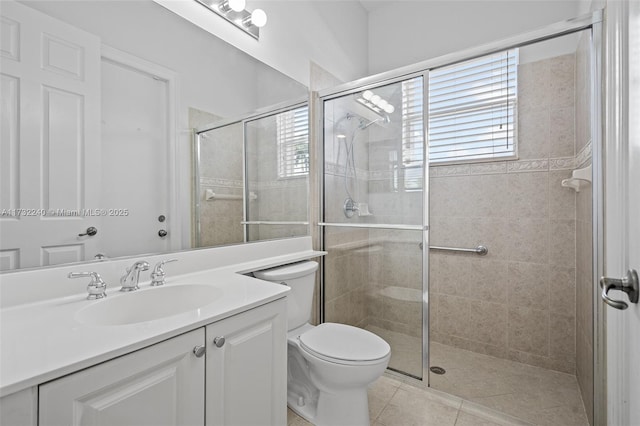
x: 234, y: 12
x: 376, y: 103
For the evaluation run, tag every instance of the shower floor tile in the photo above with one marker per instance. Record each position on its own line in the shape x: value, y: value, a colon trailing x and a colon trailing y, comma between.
x: 533, y: 394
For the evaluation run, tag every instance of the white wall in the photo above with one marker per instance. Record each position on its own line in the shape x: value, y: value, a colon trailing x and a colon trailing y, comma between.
x: 406, y: 32
x: 333, y: 34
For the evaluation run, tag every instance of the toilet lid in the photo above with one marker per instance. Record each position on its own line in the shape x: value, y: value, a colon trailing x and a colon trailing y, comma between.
x: 344, y: 342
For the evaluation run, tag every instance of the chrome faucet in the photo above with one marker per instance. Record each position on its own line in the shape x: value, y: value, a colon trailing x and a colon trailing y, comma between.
x: 158, y: 275
x: 96, y: 288
x: 130, y: 279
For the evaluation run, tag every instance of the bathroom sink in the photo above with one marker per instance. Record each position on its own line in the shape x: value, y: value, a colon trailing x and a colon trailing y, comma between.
x: 148, y: 304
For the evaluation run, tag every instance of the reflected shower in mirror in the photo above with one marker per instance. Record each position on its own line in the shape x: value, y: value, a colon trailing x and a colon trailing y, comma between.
x: 113, y: 90
x: 270, y: 199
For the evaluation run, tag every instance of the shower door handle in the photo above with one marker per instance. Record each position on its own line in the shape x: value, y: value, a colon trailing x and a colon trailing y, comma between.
x: 628, y: 284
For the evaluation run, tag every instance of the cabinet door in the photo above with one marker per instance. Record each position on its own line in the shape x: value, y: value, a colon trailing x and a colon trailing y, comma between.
x: 160, y: 385
x: 247, y: 375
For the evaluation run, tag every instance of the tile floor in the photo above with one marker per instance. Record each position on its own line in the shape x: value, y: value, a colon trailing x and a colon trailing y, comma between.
x: 394, y: 403
x: 533, y: 394
x: 476, y: 390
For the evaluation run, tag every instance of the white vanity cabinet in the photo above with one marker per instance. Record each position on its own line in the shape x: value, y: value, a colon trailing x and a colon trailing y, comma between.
x: 247, y: 371
x: 159, y: 385
x: 242, y: 381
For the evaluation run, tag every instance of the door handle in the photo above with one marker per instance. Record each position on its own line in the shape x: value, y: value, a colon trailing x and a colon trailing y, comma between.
x: 91, y: 231
x: 628, y: 284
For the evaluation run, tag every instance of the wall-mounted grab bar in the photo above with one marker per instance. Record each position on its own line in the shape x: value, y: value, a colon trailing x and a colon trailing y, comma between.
x: 271, y: 222
x: 480, y: 250
x: 209, y: 195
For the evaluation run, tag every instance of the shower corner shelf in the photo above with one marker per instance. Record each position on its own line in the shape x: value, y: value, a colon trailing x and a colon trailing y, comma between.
x: 579, y: 178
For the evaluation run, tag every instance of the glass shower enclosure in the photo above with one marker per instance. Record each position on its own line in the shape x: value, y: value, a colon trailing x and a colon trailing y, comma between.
x: 472, y: 158
x: 374, y: 216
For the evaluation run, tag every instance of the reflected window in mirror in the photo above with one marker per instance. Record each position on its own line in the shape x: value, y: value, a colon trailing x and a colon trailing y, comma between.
x: 292, y: 141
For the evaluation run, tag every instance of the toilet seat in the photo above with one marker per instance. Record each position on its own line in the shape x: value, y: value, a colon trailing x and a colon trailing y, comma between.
x: 344, y: 344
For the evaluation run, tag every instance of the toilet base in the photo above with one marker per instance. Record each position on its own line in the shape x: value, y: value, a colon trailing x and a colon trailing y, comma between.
x: 343, y: 408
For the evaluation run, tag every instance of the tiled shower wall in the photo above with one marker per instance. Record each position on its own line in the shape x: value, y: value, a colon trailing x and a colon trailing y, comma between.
x: 517, y: 302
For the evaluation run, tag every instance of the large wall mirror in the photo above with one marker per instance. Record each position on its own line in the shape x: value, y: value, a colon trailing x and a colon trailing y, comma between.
x: 98, y: 155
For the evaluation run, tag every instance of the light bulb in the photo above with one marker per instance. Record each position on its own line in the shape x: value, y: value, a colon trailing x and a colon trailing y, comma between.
x: 375, y: 99
x: 367, y: 94
x: 383, y: 104
x: 237, y: 5
x: 389, y: 109
x: 258, y: 18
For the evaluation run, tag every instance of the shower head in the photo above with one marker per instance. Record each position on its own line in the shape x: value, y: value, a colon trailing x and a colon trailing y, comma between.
x: 339, y: 126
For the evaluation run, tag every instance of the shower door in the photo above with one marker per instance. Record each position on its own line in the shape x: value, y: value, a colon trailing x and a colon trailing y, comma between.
x: 374, y: 216
x: 218, y: 186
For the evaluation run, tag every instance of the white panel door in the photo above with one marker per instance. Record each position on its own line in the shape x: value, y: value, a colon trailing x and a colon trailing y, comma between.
x: 135, y: 168
x: 622, y: 210
x: 157, y: 386
x: 630, y: 354
x: 247, y: 374
x: 50, y: 155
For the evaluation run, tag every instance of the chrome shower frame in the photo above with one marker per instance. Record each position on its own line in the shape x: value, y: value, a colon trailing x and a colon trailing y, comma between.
x: 591, y: 21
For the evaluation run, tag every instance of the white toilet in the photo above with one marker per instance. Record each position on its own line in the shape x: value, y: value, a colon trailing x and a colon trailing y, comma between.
x: 329, y: 365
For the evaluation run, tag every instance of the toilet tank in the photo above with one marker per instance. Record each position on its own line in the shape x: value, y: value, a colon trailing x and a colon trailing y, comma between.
x: 301, y: 278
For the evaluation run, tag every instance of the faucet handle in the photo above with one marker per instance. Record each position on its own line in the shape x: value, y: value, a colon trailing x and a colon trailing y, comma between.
x: 141, y: 265
x: 158, y: 274
x: 96, y: 288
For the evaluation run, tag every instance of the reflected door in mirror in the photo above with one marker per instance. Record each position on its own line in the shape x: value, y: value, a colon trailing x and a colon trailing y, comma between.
x: 50, y: 140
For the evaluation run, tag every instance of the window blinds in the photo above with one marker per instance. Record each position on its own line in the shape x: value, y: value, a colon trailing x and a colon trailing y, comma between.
x: 472, y: 109
x: 292, y: 129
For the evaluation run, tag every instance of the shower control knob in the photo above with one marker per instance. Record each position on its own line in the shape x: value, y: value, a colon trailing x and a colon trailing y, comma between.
x: 218, y: 342
x: 162, y: 233
x: 199, y: 350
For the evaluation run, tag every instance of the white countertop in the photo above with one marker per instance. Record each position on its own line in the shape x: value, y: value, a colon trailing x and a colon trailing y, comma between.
x: 42, y: 341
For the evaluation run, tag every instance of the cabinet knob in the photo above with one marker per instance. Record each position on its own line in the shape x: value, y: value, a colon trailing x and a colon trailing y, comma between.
x: 199, y: 350
x: 219, y: 341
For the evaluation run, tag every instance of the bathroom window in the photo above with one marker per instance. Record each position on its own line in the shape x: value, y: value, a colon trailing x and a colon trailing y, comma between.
x: 472, y: 109
x: 292, y: 129
x: 472, y: 114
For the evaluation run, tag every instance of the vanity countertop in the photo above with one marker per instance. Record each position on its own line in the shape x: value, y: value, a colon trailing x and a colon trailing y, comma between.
x: 41, y: 341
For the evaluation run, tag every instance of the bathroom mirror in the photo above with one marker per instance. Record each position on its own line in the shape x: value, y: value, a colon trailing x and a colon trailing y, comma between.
x: 99, y: 102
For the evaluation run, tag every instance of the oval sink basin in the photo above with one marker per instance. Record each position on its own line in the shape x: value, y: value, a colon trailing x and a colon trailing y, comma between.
x: 148, y: 305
